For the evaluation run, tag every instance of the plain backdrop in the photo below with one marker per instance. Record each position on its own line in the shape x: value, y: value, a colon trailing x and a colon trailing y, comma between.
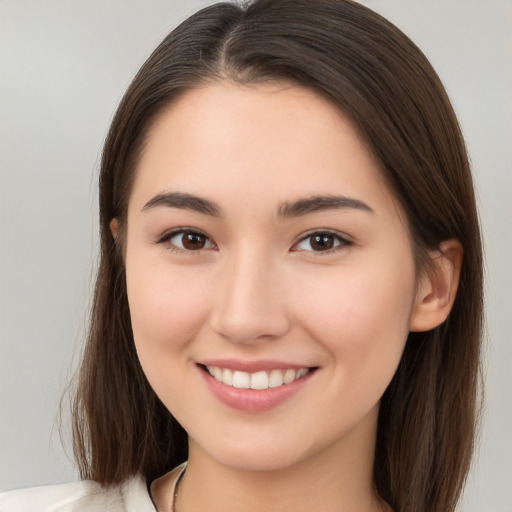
x: 64, y: 65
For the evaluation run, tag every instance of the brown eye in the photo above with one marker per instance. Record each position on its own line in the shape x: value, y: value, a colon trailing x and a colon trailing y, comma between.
x: 321, y: 242
x: 188, y: 240
x: 193, y: 241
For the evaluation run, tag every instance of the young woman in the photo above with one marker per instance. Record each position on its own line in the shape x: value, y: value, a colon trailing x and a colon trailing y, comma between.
x: 288, y: 308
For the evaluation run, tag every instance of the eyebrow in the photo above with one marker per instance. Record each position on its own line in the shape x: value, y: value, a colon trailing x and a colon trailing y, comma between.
x: 286, y: 210
x: 184, y: 201
x: 320, y: 203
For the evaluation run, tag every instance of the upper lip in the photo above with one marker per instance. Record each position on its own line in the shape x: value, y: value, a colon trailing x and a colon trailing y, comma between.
x: 252, y: 366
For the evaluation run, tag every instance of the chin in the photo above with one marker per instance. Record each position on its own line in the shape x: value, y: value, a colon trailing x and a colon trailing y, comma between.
x: 261, y: 453
x: 257, y: 460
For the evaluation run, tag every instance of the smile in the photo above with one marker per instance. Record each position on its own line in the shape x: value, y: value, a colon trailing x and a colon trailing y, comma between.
x: 255, y: 386
x: 257, y: 380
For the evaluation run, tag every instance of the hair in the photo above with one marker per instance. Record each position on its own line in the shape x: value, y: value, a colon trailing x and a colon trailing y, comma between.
x: 383, y: 83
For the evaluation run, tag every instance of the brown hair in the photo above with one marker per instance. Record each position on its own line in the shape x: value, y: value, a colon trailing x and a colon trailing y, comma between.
x: 385, y: 85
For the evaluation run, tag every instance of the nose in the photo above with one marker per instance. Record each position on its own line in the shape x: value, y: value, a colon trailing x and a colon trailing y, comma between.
x: 250, y: 301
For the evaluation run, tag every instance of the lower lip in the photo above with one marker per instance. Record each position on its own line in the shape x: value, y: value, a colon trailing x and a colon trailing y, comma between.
x: 254, y: 400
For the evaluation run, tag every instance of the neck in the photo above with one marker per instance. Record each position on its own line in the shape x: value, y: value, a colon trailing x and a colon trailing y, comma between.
x: 338, y: 479
x: 301, y: 489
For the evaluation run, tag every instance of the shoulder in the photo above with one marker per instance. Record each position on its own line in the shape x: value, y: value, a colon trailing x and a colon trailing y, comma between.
x: 131, y: 496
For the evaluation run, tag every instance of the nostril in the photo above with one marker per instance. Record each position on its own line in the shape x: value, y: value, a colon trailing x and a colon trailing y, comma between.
x: 249, y: 327
x: 248, y: 307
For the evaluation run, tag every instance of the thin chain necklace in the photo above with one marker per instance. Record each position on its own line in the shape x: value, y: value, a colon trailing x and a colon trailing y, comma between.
x: 176, y: 491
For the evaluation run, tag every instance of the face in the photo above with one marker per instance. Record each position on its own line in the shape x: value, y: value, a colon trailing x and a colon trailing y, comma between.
x: 270, y: 276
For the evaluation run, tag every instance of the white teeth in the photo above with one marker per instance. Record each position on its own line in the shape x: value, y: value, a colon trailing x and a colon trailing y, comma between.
x: 217, y: 373
x: 241, y: 380
x: 301, y: 372
x: 227, y: 376
x: 276, y: 379
x: 289, y: 376
x: 257, y: 380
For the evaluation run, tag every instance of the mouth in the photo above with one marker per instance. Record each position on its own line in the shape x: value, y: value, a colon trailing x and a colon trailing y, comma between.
x: 257, y: 390
x: 260, y: 380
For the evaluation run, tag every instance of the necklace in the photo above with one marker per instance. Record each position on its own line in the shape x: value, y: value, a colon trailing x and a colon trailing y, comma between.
x: 177, y: 490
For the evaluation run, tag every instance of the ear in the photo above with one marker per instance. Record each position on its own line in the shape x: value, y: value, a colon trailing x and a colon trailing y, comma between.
x: 438, y: 287
x: 114, y: 227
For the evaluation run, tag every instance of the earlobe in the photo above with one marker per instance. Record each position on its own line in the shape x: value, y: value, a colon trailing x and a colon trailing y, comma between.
x: 438, y: 287
x: 114, y: 227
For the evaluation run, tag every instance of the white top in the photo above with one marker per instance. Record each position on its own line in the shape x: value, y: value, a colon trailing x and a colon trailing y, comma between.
x: 131, y: 496
x: 84, y: 496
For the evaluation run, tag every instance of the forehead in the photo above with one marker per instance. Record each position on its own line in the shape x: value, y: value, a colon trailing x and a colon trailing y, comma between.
x: 276, y: 142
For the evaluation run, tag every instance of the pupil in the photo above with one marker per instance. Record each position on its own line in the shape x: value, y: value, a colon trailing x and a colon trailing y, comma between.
x: 322, y: 242
x: 193, y: 241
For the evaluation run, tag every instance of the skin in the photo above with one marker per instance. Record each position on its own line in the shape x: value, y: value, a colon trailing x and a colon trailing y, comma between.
x: 258, y: 289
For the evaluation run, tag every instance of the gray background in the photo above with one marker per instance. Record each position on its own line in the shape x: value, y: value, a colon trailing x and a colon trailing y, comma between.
x: 63, y: 68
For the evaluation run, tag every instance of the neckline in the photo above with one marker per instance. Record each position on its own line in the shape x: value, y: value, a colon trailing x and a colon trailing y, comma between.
x: 175, y: 476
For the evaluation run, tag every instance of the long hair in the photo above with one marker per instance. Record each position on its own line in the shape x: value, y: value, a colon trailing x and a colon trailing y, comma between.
x: 377, y: 77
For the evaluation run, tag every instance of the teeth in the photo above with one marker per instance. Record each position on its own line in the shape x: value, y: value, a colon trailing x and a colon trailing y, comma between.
x: 257, y: 380
x: 289, y: 376
x: 227, y: 376
x: 217, y: 373
x: 302, y: 372
x: 241, y: 380
x: 276, y: 379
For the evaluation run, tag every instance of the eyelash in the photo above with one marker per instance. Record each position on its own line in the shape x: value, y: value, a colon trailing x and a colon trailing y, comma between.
x: 167, y: 237
x: 340, y: 241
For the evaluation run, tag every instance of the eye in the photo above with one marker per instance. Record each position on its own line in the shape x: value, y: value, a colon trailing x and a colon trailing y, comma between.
x: 187, y: 240
x: 321, y: 241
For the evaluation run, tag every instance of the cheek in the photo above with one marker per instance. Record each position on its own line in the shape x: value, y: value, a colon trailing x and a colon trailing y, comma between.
x: 167, y: 309
x: 361, y: 319
x: 354, y: 302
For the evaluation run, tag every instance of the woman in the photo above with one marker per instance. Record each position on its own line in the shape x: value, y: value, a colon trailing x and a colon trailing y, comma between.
x: 289, y: 295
